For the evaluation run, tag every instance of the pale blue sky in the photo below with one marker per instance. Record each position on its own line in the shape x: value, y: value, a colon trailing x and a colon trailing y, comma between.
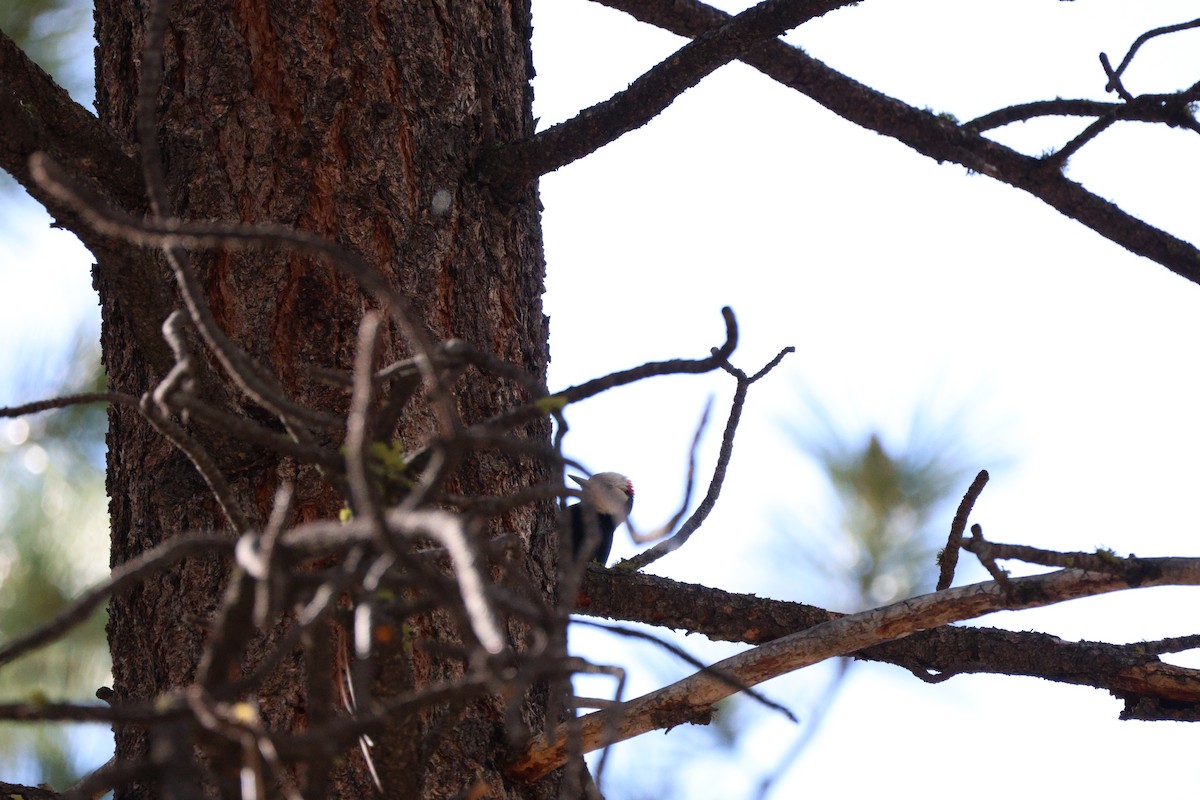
x: 900, y: 282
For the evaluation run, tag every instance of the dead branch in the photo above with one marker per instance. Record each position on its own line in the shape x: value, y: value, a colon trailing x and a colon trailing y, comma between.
x: 684, y: 700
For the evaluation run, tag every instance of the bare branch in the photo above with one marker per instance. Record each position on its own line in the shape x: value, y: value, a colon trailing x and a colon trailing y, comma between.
x: 518, y: 163
x: 929, y: 134
x: 1168, y: 109
x: 1128, y: 671
x: 1176, y: 644
x: 702, y: 511
x: 1114, y: 75
x: 1131, y: 567
x: 449, y: 531
x: 677, y: 366
x: 682, y: 701
x: 948, y: 558
x: 122, y: 578
x: 118, y: 398
x: 38, y: 114
x: 988, y: 559
x: 552, y: 405
x: 358, y: 426
x: 108, y: 777
x: 1023, y: 112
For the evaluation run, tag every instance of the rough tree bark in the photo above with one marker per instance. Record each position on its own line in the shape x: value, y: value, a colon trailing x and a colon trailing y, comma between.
x: 360, y: 122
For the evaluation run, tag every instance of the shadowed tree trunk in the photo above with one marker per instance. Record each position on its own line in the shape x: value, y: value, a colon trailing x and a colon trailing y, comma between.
x: 360, y: 122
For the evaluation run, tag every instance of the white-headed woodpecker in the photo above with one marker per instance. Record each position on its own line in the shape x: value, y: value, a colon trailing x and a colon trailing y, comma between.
x: 606, y: 503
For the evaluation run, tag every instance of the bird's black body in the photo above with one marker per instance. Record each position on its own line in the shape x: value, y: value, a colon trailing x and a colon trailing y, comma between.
x: 607, y: 499
x: 601, y: 527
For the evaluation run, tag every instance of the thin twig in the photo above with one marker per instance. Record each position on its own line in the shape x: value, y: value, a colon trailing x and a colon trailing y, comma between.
x: 987, y: 557
x: 693, y: 523
x: 679, y: 652
x: 174, y: 232
x: 1058, y: 159
x: 677, y: 366
x: 1131, y: 567
x: 358, y: 426
x: 123, y: 577
x: 195, y: 452
x: 108, y: 777
x: 1114, y: 75
x: 116, y: 398
x: 948, y: 559
x: 553, y: 404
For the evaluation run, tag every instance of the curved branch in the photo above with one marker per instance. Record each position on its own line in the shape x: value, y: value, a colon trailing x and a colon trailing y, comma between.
x: 693, y: 523
x: 553, y: 404
x: 675, y: 366
x: 1114, y: 75
x: 1023, y: 112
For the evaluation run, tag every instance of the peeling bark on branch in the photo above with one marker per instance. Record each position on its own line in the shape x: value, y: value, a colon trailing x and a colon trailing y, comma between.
x: 692, y: 697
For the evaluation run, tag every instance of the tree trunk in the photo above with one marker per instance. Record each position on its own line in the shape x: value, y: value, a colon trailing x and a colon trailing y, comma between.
x: 361, y: 122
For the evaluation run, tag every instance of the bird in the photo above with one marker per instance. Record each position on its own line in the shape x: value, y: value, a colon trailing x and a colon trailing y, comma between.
x: 606, y: 502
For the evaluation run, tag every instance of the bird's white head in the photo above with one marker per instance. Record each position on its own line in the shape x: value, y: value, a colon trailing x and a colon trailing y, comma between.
x: 608, y: 493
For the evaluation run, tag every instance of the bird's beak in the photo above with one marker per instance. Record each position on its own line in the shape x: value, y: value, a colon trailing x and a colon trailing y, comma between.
x: 579, y: 480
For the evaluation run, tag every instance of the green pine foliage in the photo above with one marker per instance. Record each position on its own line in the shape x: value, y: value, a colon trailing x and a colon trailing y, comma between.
x: 53, y: 544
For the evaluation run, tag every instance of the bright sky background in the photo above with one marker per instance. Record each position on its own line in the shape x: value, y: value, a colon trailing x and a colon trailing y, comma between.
x: 903, y: 285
